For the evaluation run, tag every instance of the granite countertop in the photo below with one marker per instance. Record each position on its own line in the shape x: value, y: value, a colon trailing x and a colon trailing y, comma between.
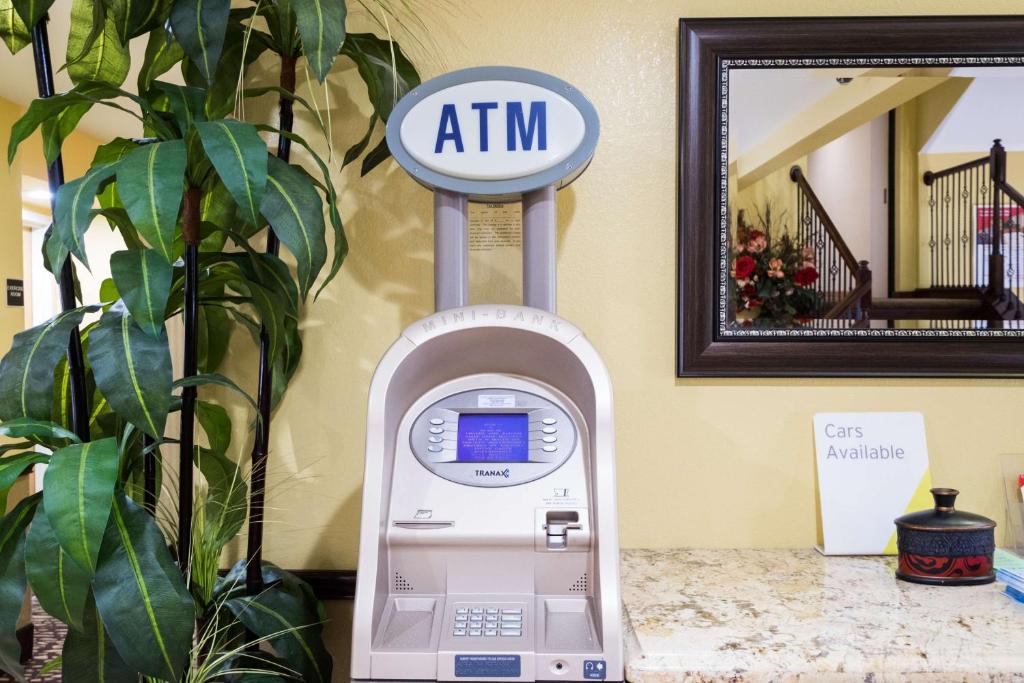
x: 794, y: 615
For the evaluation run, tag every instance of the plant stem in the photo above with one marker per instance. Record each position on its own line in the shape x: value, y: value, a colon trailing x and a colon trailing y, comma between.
x: 55, y: 176
x: 190, y: 233
x: 264, y: 392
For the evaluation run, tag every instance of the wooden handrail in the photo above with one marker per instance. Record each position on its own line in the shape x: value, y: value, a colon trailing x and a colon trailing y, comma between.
x: 796, y: 174
x: 931, y: 176
x: 849, y: 300
x: 1012, y: 193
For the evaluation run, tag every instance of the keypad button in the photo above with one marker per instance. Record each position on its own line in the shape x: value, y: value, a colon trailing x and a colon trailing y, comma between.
x: 517, y: 610
x: 477, y: 617
x: 509, y: 632
x: 436, y: 421
x: 477, y: 610
x: 490, y: 632
x: 511, y: 617
x: 550, y: 449
x: 461, y: 619
x: 474, y: 632
x: 437, y: 449
x: 550, y: 439
x: 549, y: 430
x: 462, y: 610
x: 549, y: 420
x: 434, y: 439
x: 492, y: 610
x: 436, y: 430
x: 459, y: 632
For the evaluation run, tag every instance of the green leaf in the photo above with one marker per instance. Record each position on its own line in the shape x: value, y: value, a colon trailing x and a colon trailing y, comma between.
x: 215, y: 379
x: 295, y: 211
x: 100, y: 55
x: 132, y: 370
x: 186, y: 103
x: 78, y: 487
x: 89, y: 655
x: 377, y: 155
x: 26, y: 372
x: 237, y: 56
x: 200, y: 25
x: 355, y: 150
x: 13, y: 466
x: 216, y: 423
x: 300, y: 641
x: 12, y: 581
x: 141, y: 596
x: 162, y: 53
x: 13, y: 30
x: 386, y: 81
x: 134, y: 17
x: 37, y: 430
x: 143, y: 278
x: 340, y: 241
x: 151, y: 181
x: 226, y: 497
x: 215, y: 330
x: 322, y: 29
x: 46, y: 109
x: 239, y: 154
x: 60, y: 585
x: 270, y: 307
x: 31, y: 11
x: 112, y: 152
x: 72, y: 209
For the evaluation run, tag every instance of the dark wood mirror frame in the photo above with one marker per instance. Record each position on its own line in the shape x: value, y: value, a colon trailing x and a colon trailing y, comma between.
x: 704, y: 43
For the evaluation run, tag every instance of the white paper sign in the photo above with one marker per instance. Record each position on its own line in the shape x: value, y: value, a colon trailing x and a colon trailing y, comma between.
x: 872, y: 468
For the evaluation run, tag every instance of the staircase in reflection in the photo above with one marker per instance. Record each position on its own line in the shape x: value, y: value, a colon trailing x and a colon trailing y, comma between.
x: 975, y: 252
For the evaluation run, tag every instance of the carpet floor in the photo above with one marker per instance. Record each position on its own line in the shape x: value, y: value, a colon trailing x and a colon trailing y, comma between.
x: 48, y: 639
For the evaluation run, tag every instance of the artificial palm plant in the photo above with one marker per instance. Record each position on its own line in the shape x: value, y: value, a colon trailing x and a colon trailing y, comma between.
x: 202, y: 206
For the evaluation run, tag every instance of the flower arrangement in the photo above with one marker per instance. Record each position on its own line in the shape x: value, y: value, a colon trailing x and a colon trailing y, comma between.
x: 772, y: 279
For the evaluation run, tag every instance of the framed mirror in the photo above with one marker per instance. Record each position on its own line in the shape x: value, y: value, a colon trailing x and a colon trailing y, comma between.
x: 851, y: 197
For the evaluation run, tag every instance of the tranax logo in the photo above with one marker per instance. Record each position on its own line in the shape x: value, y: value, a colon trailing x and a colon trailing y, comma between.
x: 493, y: 473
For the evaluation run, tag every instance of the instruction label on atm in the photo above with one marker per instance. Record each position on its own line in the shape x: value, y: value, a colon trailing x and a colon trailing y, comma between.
x: 496, y: 401
x: 487, y: 666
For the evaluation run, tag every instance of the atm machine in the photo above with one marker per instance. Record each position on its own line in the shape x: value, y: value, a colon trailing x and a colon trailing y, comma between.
x: 489, y: 538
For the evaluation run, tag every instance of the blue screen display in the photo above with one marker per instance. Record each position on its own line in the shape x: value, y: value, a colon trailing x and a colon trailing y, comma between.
x: 493, y: 437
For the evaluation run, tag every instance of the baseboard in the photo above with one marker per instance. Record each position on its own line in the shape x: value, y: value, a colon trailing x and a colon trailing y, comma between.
x: 329, y: 584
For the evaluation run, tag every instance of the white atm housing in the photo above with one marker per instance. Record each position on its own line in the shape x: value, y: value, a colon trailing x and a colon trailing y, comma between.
x: 489, y: 537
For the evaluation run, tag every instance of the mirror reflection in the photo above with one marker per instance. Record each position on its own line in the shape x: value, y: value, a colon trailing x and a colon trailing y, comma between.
x: 863, y: 198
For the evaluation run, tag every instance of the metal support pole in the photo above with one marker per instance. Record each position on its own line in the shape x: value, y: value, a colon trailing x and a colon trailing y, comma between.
x: 66, y: 277
x: 539, y: 249
x: 997, y: 168
x: 190, y: 232
x: 451, y: 250
x: 264, y: 389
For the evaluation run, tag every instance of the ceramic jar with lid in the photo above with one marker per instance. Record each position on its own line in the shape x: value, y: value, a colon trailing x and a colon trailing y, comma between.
x: 945, y: 546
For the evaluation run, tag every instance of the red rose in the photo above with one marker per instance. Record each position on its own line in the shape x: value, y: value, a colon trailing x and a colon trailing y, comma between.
x: 749, y: 291
x: 805, y: 276
x: 743, y: 267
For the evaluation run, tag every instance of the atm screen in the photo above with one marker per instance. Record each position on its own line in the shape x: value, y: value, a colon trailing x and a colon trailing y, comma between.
x: 493, y: 437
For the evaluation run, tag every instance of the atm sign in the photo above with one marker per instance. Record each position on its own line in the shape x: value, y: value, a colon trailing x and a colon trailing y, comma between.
x: 493, y: 129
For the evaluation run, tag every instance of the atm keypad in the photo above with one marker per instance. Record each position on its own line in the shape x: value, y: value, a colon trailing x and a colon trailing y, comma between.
x: 488, y: 622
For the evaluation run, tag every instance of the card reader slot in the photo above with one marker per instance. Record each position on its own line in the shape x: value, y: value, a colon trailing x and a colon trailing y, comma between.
x: 423, y: 525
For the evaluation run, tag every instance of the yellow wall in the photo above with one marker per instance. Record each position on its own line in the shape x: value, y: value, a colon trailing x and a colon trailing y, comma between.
x: 12, y: 320
x: 776, y: 189
x: 712, y: 462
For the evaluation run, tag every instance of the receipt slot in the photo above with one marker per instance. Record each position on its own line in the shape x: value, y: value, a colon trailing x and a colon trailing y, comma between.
x: 489, y: 536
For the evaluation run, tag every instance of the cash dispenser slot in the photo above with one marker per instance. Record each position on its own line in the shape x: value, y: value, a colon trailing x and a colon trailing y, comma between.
x: 557, y: 525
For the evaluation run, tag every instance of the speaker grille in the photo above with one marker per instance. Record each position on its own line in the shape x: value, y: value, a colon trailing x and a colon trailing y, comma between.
x: 580, y: 585
x: 401, y: 584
